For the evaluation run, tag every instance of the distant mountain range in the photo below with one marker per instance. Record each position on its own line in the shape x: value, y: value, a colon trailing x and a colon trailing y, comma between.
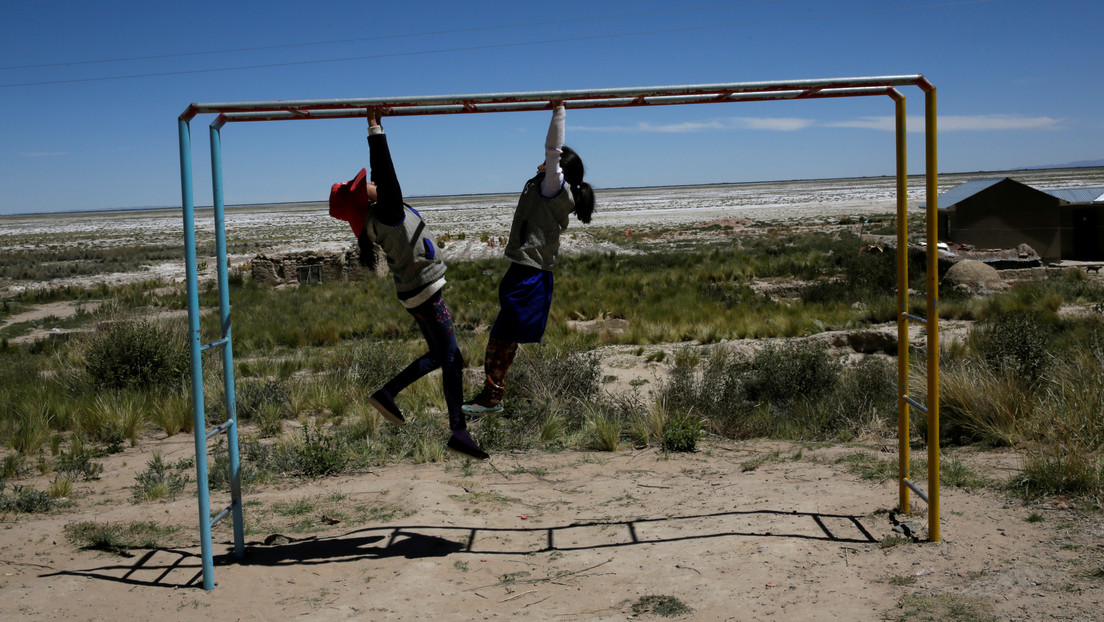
x: 1078, y: 164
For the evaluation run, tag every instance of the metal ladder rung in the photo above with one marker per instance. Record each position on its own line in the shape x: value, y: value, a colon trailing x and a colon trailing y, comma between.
x: 914, y: 318
x: 222, y: 428
x: 915, y: 404
x: 214, y: 344
x: 916, y: 490
x: 217, y: 517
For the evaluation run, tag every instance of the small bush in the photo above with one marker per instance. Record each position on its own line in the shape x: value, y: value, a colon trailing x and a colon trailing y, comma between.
x: 666, y: 606
x: 118, y: 538
x: 980, y: 404
x: 77, y: 462
x: 33, y: 425
x: 1059, y: 470
x: 25, y: 500
x: 1017, y: 342
x: 681, y: 433
x: 320, y: 454
x: 61, y: 488
x: 112, y: 419
x: 603, y: 430
x: 713, y: 391
x: 173, y: 413
x: 11, y: 466
x: 781, y: 374
x: 138, y: 354
x: 252, y: 399
x: 544, y: 374
x: 158, y: 481
x: 369, y: 364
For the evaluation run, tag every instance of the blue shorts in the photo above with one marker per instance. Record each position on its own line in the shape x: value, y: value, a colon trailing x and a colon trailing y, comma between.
x: 524, y: 297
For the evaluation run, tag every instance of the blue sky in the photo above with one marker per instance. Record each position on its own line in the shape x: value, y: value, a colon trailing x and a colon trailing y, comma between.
x: 90, y: 92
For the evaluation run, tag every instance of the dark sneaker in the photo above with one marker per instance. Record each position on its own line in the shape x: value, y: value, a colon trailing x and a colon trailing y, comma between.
x: 476, y: 408
x: 386, y: 405
x: 461, y: 442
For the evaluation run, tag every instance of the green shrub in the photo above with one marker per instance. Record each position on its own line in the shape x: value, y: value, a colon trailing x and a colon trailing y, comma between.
x: 980, y: 404
x: 1017, y: 342
x: 369, y: 364
x: 173, y: 412
x: 866, y: 395
x: 252, y: 399
x: 25, y: 500
x: 158, y: 481
x: 561, y: 374
x: 136, y: 354
x: 33, y: 425
x: 713, y: 391
x: 117, y: 538
x: 603, y: 430
x: 11, y: 466
x: 112, y: 419
x: 77, y: 462
x: 666, y: 606
x: 681, y: 433
x: 320, y: 454
x: 780, y: 374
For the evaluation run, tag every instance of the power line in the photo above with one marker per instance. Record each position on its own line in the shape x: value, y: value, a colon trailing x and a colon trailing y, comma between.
x: 390, y: 36
x: 501, y: 45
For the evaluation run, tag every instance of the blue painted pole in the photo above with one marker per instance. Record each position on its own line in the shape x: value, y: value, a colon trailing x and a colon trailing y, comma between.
x: 227, y: 349
x: 192, y: 285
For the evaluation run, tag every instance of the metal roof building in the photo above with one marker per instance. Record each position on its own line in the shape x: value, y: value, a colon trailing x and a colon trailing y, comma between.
x: 1000, y: 212
x: 1078, y: 195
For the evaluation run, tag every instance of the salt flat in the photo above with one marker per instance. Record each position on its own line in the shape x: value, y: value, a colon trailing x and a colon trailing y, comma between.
x: 276, y: 228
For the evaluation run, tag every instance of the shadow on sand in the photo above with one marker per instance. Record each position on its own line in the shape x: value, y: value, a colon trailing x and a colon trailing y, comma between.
x: 174, y: 568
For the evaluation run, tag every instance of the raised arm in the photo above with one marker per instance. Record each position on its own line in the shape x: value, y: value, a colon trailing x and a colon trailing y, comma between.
x: 388, y: 207
x: 553, y: 147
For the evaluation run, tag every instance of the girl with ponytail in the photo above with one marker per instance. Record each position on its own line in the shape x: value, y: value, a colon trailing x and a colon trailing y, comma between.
x: 525, y: 292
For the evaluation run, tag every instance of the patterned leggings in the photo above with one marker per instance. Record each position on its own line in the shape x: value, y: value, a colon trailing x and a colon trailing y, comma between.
x: 435, y: 322
x: 500, y: 355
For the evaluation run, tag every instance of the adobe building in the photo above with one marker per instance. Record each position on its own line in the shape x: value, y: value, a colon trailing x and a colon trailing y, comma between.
x: 304, y: 267
x: 1001, y: 213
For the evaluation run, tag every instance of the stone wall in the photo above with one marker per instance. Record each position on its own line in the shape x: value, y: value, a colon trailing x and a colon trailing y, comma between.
x: 305, y: 267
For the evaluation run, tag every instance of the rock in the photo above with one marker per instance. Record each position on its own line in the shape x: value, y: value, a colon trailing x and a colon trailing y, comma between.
x: 974, y: 277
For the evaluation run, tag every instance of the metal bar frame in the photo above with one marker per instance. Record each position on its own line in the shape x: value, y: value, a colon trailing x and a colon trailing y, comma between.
x: 290, y: 110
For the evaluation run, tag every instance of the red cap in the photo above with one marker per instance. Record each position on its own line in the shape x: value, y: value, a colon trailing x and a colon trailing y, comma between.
x: 349, y: 201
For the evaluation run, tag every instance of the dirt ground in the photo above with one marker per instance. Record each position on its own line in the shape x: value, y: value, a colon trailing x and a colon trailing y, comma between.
x: 571, y: 536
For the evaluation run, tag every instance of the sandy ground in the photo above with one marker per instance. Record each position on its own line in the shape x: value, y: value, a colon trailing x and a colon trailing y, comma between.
x: 567, y: 535
x: 571, y: 536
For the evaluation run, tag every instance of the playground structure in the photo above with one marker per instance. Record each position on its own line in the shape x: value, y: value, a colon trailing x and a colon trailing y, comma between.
x: 290, y: 110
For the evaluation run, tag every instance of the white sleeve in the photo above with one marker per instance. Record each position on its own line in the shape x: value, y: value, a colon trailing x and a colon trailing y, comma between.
x: 553, y: 146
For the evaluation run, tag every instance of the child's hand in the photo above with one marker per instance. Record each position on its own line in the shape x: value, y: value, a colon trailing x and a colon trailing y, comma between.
x: 374, y: 115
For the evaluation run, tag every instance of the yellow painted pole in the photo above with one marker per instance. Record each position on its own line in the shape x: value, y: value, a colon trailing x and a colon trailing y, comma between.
x: 902, y: 308
x: 932, y: 190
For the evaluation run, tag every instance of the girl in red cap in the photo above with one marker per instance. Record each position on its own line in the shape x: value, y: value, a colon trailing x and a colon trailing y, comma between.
x: 377, y: 214
x: 525, y: 292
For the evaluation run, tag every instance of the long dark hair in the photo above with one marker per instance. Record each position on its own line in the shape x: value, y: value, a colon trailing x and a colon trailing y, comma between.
x: 581, y: 191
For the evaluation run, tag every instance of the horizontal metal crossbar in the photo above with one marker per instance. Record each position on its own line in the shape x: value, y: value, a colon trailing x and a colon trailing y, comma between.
x: 914, y: 318
x: 915, y: 404
x: 919, y: 492
x: 396, y: 110
x: 578, y: 98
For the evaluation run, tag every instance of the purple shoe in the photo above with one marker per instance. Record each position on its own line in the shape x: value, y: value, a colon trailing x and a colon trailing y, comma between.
x: 386, y: 405
x: 461, y: 442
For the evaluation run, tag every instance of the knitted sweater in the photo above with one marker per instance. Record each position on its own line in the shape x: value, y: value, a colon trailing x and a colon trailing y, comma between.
x: 414, y: 260
x: 543, y: 208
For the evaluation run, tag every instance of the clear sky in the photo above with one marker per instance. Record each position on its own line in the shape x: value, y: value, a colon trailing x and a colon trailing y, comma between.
x: 90, y: 92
